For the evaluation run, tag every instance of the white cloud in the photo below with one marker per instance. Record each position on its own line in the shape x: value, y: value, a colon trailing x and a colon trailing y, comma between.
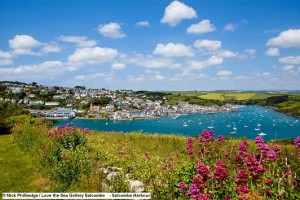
x: 273, y: 52
x: 177, y: 11
x: 250, y: 52
x: 102, y: 76
x: 4, y: 62
x: 80, y: 41
x: 45, y: 70
x: 93, y: 55
x: 143, y: 24
x: 23, y: 45
x: 5, y: 58
x: 159, y: 77
x: 209, y: 45
x: 214, y: 60
x: 23, y: 42
x: 150, y: 61
x: 287, y: 67
x: 202, y: 27
x: 287, y: 39
x: 241, y: 77
x: 173, y: 50
x: 138, y: 78
x: 224, y: 73
x: 118, y: 66
x: 290, y: 60
x: 230, y: 27
x: 225, y: 54
x: 194, y: 64
x: 51, y: 48
x: 5, y: 55
x: 111, y: 30
x: 199, y: 65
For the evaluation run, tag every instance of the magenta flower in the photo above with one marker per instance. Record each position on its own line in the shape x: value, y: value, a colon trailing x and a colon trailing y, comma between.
x: 220, y: 139
x: 203, y: 170
x: 193, y: 191
x: 271, y: 155
x: 243, y: 147
x: 182, y: 186
x: 243, y: 190
x: 242, y: 177
x: 206, y: 136
x: 294, y: 182
x: 220, y: 172
x: 190, y: 145
x: 297, y: 142
x: 277, y: 149
x: 268, y: 181
x: 259, y: 140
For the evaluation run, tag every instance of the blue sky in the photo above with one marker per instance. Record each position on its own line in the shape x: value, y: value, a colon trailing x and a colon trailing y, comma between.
x: 152, y: 44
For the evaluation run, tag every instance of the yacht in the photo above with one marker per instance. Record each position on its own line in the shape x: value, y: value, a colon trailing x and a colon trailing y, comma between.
x: 211, y: 126
x: 262, y: 134
x: 185, y: 124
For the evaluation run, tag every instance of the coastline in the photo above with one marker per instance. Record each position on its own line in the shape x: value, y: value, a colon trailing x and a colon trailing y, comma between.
x: 277, y: 110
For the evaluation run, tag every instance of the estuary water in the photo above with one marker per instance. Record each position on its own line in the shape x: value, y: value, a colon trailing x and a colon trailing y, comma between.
x: 249, y: 121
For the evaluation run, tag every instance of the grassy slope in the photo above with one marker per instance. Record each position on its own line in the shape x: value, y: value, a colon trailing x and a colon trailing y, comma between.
x: 18, y: 172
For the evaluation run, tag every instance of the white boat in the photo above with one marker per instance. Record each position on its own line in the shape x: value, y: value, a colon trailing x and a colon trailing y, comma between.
x: 211, y: 126
x: 185, y: 124
x: 262, y: 134
x: 234, y: 127
x: 176, y: 116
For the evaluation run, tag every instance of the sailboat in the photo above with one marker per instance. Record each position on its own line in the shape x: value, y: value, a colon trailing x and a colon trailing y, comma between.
x: 211, y: 126
x: 262, y: 134
x: 185, y: 124
x: 257, y: 127
x: 234, y: 129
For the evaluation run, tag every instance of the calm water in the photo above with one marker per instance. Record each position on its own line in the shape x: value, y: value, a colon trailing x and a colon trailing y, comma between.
x: 246, y: 120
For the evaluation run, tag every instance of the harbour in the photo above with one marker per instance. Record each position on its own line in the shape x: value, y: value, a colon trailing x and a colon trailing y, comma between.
x: 248, y: 121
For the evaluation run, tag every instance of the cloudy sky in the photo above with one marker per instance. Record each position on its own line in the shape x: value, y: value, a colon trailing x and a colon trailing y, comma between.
x: 152, y: 44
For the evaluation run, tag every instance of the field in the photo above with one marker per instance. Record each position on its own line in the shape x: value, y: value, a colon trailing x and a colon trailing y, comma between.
x: 18, y: 171
x: 225, y: 96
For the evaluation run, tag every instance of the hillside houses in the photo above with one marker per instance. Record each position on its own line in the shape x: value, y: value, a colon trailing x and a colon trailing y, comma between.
x: 65, y: 102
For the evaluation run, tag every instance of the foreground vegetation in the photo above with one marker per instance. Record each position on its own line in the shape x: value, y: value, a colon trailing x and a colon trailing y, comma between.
x: 170, y: 167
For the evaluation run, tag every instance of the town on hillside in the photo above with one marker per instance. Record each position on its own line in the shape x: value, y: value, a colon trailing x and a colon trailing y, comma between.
x: 79, y: 102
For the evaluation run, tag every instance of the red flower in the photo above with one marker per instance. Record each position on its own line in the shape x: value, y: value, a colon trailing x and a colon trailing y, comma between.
x: 243, y: 190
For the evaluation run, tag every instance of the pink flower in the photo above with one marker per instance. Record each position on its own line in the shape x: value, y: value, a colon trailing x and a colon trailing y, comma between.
x: 294, y: 182
x: 193, y: 191
x: 220, y: 172
x: 268, y: 181
x: 242, y: 177
x: 269, y: 192
x: 203, y: 171
x: 243, y: 190
x: 190, y: 145
x: 182, y: 186
x: 297, y: 142
x: 259, y: 140
x: 220, y: 139
x: 206, y: 136
x: 271, y: 155
x: 243, y: 147
x: 277, y: 149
